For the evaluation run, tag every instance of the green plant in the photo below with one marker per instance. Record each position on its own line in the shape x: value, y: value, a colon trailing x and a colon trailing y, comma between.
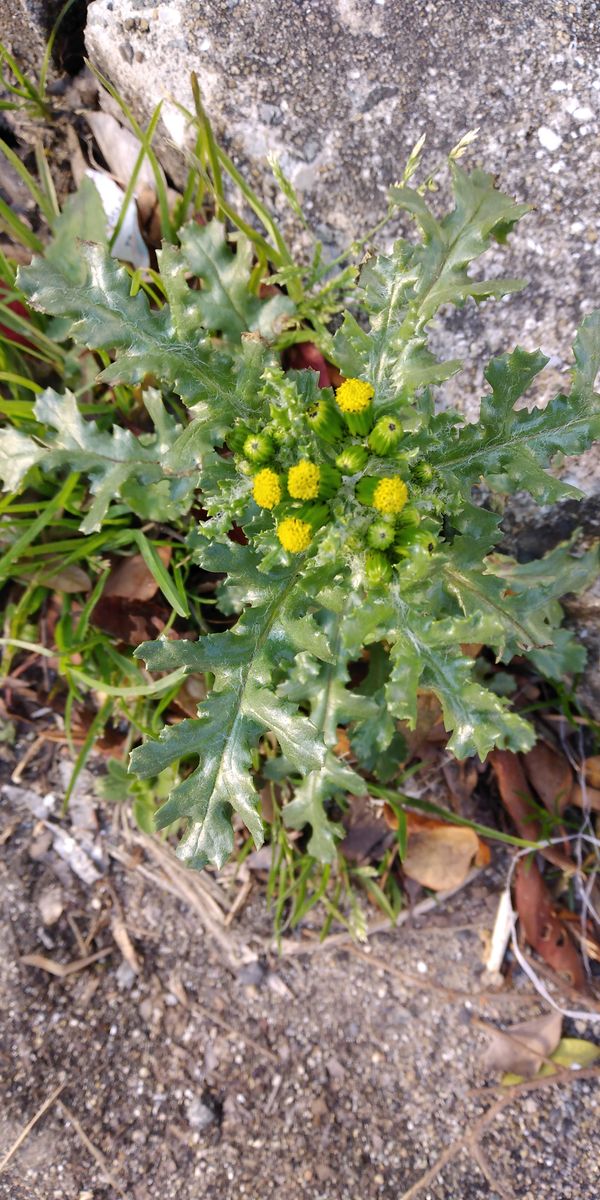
x: 359, y: 525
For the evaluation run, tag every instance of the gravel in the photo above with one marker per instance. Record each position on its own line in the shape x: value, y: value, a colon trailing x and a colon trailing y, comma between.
x: 345, y: 1079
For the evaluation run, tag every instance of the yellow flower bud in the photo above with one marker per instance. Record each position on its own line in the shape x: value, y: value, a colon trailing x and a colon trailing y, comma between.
x: 390, y: 495
x: 267, y: 488
x: 294, y: 534
x: 354, y: 395
x: 303, y: 481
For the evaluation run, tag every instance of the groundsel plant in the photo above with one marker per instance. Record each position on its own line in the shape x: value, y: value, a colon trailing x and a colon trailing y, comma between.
x: 353, y: 562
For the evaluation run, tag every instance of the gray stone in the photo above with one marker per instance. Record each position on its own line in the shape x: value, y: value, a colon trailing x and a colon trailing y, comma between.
x: 200, y: 1115
x: 340, y: 90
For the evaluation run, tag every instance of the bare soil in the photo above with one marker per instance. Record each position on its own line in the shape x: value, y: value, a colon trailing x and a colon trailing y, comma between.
x: 197, y: 1063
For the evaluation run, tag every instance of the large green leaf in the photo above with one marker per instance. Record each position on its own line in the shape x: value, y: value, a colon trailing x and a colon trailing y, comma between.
x: 511, y: 448
x: 156, y: 473
x: 244, y: 661
x: 100, y: 312
x: 403, y: 292
x: 224, y: 304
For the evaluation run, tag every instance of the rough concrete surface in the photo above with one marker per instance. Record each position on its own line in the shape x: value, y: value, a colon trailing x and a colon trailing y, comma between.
x: 342, y: 89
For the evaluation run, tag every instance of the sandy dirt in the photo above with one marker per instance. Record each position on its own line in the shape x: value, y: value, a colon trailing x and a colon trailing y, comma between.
x: 206, y: 1066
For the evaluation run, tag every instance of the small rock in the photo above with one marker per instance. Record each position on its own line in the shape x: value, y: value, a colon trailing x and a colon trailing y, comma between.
x: 335, y: 1068
x: 51, y: 905
x: 549, y: 138
x: 125, y: 976
x: 200, y: 1115
x: 40, y: 845
x: 126, y: 51
x: 583, y: 114
x: 253, y: 973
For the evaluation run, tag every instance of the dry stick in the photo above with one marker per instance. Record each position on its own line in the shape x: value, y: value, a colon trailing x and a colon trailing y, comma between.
x: 63, y: 969
x: 34, y: 1120
x: 93, y: 1150
x: 192, y: 891
x: 470, y: 1139
x: 484, y: 1166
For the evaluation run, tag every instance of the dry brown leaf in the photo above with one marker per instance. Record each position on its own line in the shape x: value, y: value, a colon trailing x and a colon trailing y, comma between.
x: 70, y: 579
x: 342, y: 746
x: 550, y: 775
x: 438, y: 855
x: 131, y: 579
x: 471, y: 649
x: 585, y: 798
x: 522, y: 1048
x: 119, y: 147
x: 429, y: 730
x: 518, y: 801
x: 515, y: 794
x: 461, y: 778
x: 591, y: 770
x: 368, y: 836
x: 543, y: 929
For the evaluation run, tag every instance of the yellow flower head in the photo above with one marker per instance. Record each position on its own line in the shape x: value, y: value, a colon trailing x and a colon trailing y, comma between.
x: 304, y: 480
x: 294, y: 534
x: 267, y: 488
x: 390, y: 495
x: 354, y: 395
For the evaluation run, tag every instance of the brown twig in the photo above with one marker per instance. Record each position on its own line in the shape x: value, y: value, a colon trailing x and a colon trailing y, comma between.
x: 96, y: 1154
x: 172, y: 877
x: 61, y: 970
x: 483, y: 1163
x: 48, y: 1102
x: 470, y: 1139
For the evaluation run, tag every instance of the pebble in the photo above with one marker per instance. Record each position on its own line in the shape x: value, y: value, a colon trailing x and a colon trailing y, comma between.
x: 200, y: 1115
x: 549, y: 138
x: 583, y: 113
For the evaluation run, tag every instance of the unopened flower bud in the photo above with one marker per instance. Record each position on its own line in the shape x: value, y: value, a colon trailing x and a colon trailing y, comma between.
x: 385, y: 435
x: 236, y: 437
x: 378, y: 568
x: 409, y: 518
x: 325, y: 421
x: 353, y: 399
x: 352, y: 460
x: 381, y: 534
x: 422, y: 473
x: 258, y: 447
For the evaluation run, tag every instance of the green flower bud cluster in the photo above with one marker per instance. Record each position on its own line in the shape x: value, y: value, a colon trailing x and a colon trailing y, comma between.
x: 336, y: 447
